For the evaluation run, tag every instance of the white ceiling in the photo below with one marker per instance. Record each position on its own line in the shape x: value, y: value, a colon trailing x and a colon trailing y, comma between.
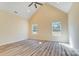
x: 21, y: 7
x: 64, y: 6
x: 26, y: 12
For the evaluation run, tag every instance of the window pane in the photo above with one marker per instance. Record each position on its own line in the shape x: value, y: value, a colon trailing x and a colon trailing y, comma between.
x: 34, y: 28
x: 56, y: 26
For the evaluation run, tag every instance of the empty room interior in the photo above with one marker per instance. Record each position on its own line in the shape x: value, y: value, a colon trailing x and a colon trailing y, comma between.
x: 39, y: 28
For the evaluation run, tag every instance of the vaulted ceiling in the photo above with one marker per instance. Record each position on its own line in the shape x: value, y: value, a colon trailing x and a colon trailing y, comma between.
x: 64, y: 6
x: 22, y: 9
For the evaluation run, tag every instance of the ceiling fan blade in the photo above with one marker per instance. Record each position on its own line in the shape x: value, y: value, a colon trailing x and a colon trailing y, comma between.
x: 30, y: 4
x: 35, y: 5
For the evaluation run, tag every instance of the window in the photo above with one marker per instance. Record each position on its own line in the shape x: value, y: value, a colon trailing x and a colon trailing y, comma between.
x: 34, y: 28
x: 56, y: 26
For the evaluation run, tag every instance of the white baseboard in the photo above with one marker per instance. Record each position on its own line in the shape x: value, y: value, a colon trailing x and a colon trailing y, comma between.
x: 10, y: 42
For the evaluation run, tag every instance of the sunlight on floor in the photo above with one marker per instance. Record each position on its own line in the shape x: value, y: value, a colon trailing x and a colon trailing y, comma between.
x: 40, y: 42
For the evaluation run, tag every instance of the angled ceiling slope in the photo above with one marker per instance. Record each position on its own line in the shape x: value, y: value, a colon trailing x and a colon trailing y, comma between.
x: 64, y: 6
x: 18, y: 8
x: 22, y: 9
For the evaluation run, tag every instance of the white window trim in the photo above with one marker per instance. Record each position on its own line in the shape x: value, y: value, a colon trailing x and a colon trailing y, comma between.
x: 59, y: 33
x: 32, y: 28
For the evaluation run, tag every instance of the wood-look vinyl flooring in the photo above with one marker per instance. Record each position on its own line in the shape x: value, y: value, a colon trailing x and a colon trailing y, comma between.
x: 33, y: 48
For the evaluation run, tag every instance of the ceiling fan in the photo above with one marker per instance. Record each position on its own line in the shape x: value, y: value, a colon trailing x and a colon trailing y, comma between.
x: 35, y: 4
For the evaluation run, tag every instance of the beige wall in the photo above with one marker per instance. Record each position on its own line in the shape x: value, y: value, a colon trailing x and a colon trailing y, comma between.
x: 44, y: 17
x: 12, y: 28
x: 74, y: 25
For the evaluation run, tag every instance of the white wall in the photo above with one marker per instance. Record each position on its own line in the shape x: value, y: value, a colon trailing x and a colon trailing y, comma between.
x: 12, y: 28
x: 74, y: 26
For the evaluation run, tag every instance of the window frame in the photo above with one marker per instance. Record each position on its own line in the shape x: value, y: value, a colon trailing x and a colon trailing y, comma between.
x: 54, y: 28
x: 34, y: 28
